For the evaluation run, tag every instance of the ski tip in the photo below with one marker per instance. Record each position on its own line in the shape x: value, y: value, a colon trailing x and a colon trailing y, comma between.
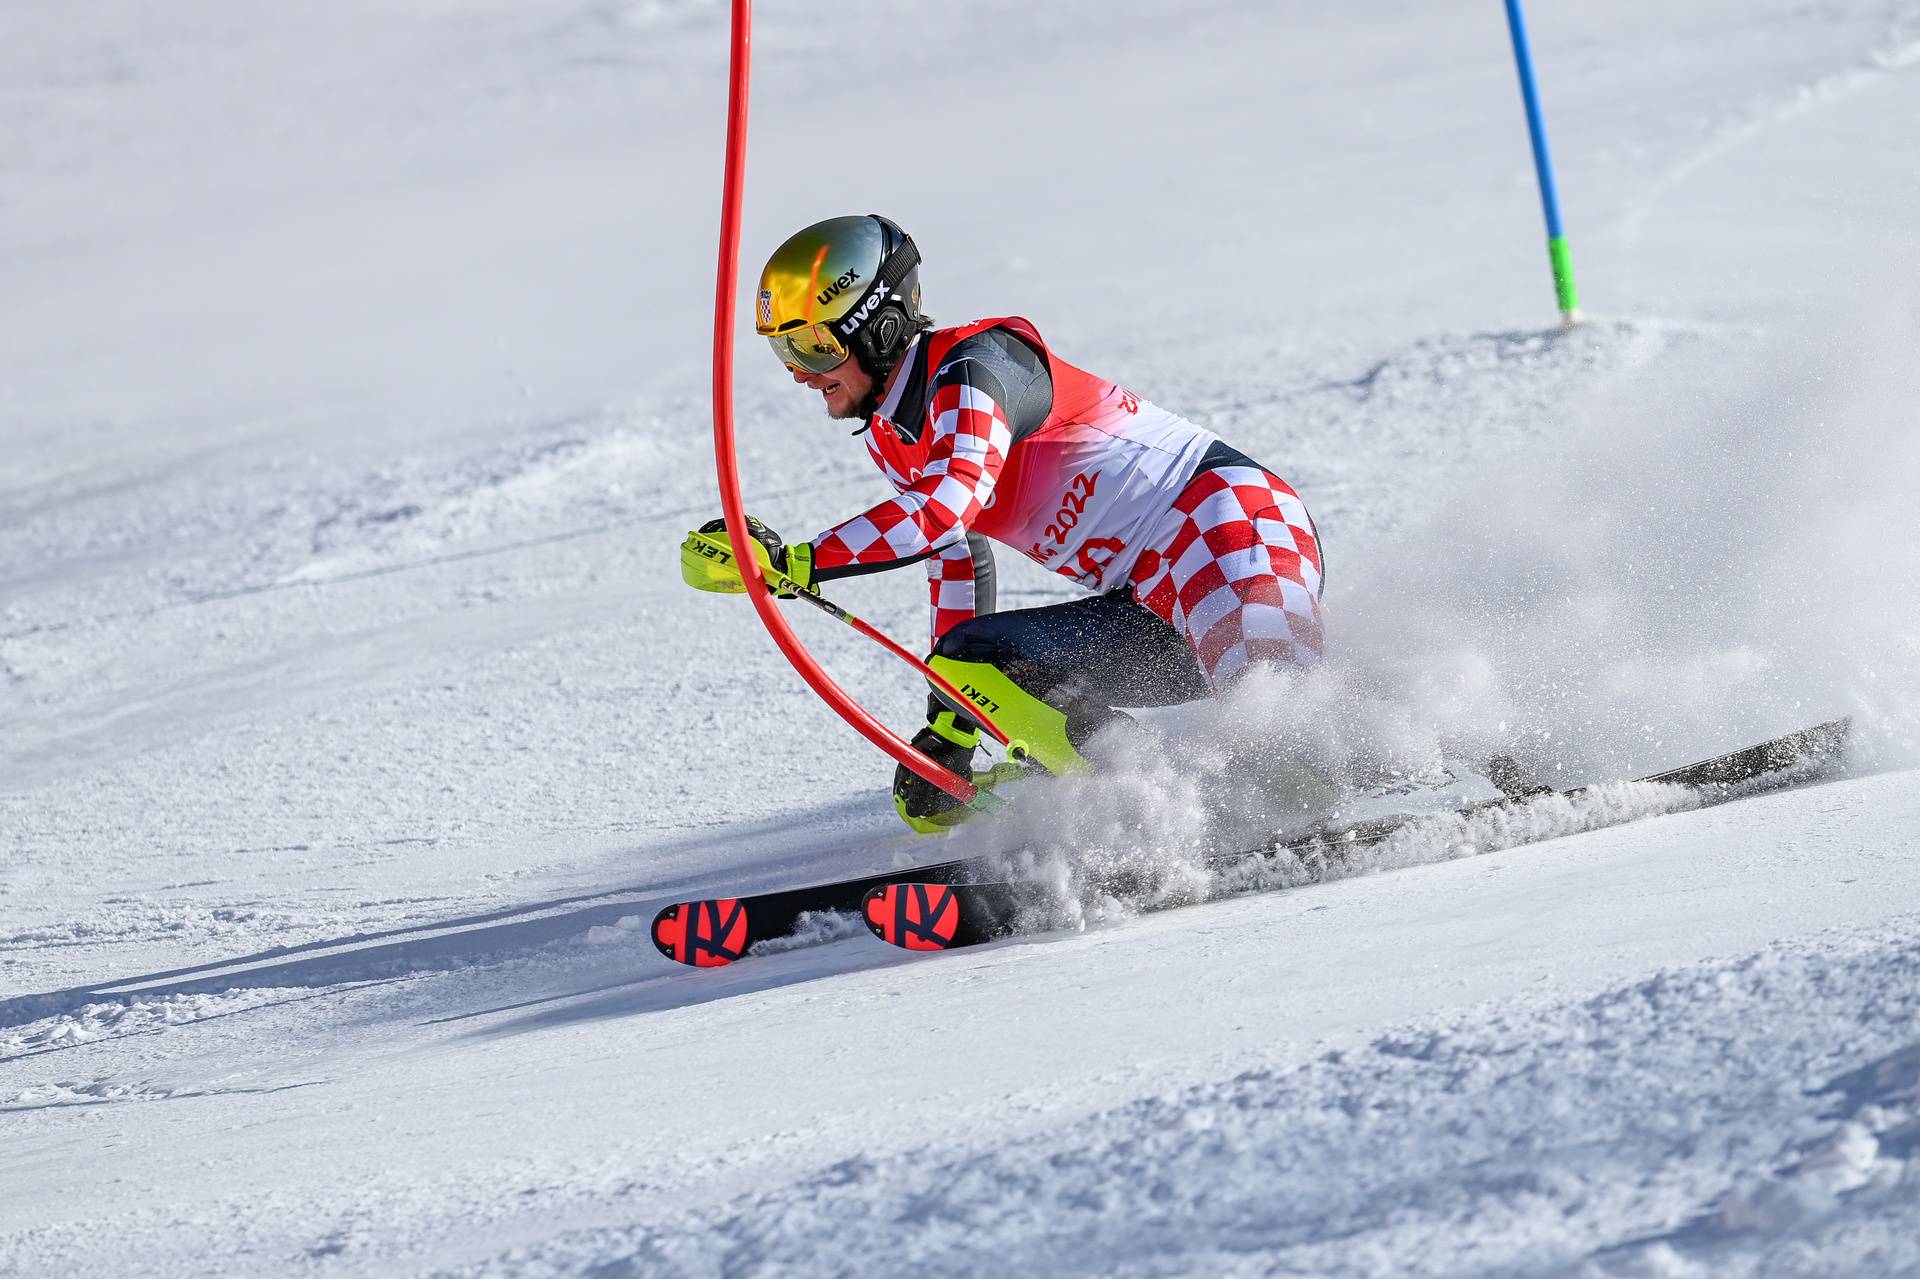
x: 704, y: 934
x: 912, y: 916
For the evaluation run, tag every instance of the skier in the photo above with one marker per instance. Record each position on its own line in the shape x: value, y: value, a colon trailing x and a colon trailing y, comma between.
x: 1203, y: 562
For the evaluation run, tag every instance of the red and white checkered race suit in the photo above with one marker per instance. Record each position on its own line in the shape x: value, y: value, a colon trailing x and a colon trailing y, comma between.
x: 1234, y: 565
x: 1108, y: 490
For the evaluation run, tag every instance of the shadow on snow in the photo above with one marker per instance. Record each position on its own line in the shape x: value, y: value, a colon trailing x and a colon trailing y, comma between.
x: 447, y: 944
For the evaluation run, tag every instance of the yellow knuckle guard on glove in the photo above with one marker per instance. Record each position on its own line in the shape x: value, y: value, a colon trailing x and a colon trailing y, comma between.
x: 708, y: 562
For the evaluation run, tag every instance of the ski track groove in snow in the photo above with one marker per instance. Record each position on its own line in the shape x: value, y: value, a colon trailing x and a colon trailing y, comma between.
x: 1896, y: 53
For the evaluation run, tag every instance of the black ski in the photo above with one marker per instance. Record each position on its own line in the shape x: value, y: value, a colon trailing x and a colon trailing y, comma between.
x: 916, y: 914
x: 716, y: 931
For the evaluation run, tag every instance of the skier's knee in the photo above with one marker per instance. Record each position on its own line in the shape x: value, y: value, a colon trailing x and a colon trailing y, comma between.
x: 978, y: 639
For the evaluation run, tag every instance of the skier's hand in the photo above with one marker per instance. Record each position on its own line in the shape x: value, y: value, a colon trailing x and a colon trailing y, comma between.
x: 707, y: 560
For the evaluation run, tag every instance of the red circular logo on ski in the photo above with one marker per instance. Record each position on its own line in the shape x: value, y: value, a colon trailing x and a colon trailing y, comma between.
x: 913, y: 916
x: 702, y: 934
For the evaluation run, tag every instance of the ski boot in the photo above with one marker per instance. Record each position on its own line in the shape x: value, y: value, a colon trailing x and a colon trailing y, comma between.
x: 1045, y: 740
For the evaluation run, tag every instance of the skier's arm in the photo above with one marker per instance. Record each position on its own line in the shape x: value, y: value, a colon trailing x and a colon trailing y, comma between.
x: 960, y: 582
x: 967, y: 453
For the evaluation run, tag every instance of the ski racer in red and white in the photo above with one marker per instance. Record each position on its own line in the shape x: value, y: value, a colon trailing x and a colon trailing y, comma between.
x: 1201, y: 562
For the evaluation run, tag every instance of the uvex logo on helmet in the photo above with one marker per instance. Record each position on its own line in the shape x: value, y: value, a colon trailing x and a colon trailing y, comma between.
x: 838, y: 287
x: 859, y: 316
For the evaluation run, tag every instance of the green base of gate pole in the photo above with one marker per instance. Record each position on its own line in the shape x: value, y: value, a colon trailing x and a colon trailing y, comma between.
x: 1563, y: 287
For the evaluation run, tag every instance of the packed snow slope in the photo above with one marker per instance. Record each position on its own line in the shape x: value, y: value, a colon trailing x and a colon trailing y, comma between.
x: 353, y: 719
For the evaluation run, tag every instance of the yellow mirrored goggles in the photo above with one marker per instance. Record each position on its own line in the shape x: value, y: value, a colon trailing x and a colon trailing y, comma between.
x: 813, y: 349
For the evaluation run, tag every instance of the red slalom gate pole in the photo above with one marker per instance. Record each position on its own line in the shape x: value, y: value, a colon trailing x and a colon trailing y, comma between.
x: 796, y: 591
x: 732, y: 503
x: 899, y: 650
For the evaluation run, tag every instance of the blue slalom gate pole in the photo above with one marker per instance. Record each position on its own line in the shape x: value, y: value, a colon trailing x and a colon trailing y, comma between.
x: 1564, y: 292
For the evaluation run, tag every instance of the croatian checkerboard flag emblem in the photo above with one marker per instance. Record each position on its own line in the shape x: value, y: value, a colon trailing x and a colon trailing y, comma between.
x: 766, y: 308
